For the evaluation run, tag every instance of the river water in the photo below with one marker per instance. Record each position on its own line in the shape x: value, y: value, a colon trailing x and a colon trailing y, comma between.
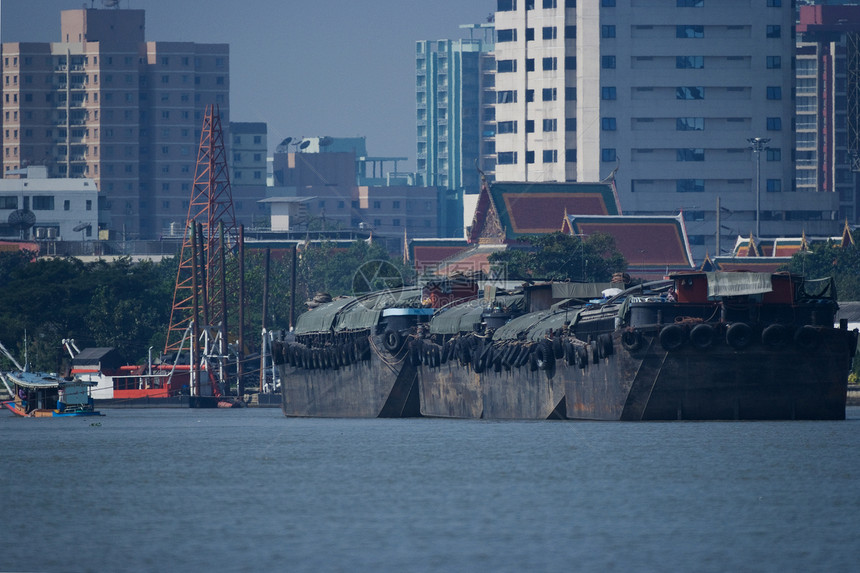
x: 250, y: 490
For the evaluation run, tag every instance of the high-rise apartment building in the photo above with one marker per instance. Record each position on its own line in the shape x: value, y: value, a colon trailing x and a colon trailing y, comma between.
x: 828, y: 103
x: 103, y: 103
x: 664, y: 95
x: 455, y: 117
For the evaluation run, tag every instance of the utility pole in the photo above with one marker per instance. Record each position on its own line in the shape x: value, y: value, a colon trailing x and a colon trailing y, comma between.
x: 758, y: 144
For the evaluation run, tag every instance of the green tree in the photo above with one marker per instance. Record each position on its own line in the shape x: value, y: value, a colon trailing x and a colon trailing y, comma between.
x: 831, y: 260
x: 558, y: 256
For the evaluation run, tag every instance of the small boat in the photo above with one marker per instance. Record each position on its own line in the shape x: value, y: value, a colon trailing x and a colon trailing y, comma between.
x: 42, y: 395
x: 38, y: 395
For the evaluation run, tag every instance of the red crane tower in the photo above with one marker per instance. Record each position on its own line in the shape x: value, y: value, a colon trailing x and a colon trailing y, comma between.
x: 210, y: 233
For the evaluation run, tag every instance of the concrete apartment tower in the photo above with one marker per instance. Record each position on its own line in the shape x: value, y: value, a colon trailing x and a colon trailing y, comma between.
x: 828, y: 104
x: 455, y: 117
x: 669, y: 93
x: 104, y: 103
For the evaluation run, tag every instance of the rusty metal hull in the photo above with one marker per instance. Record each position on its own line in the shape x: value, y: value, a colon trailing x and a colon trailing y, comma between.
x: 456, y: 391
x: 714, y: 383
x: 381, y: 385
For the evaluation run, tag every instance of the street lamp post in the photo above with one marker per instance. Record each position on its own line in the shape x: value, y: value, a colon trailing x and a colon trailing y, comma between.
x: 758, y: 144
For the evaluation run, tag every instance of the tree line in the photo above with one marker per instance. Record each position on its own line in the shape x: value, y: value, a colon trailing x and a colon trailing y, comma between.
x: 127, y: 305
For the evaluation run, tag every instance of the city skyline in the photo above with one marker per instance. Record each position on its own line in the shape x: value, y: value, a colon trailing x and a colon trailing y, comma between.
x: 315, y: 105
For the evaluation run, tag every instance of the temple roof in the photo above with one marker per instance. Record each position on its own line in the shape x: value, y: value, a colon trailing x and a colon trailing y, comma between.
x: 506, y: 211
x: 426, y: 254
x: 652, y: 245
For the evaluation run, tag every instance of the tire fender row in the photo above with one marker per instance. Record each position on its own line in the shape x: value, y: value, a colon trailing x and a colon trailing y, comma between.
x: 483, y: 355
x: 331, y: 356
x: 738, y: 335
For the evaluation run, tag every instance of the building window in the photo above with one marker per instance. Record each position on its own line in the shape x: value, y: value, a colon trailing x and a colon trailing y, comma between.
x: 67, y: 205
x: 549, y: 4
x: 550, y: 156
x: 570, y: 155
x: 774, y: 154
x: 550, y: 124
x: 774, y: 124
x: 506, y: 35
x: 570, y: 124
x: 607, y: 31
x: 607, y: 62
x: 608, y: 93
x: 8, y: 202
x: 692, y: 154
x: 690, y: 3
x: 530, y: 156
x: 550, y: 33
x: 569, y: 94
x: 395, y: 222
x: 690, y: 124
x: 774, y: 31
x: 507, y: 157
x: 774, y: 62
x: 570, y: 62
x: 690, y: 92
x: 530, y: 95
x: 530, y: 64
x: 505, y: 66
x: 607, y: 3
x: 395, y: 204
x: 690, y: 62
x: 774, y: 92
x: 688, y: 31
x: 608, y: 124
x: 570, y: 32
x: 774, y: 3
x: 43, y: 203
x: 530, y: 34
x: 550, y: 64
x: 506, y: 96
x: 507, y: 127
x: 607, y: 154
x: 690, y: 186
x: 548, y: 94
x: 773, y: 186
x: 506, y: 5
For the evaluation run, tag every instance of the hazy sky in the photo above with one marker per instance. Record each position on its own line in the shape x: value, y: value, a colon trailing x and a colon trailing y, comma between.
x: 342, y: 68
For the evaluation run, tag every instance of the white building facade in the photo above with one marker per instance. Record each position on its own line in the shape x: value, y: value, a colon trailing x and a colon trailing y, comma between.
x: 668, y: 92
x: 36, y: 207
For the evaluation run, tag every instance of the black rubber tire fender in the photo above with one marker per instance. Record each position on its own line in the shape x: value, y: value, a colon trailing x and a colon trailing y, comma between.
x: 392, y: 340
x: 739, y: 335
x: 631, y: 340
x: 523, y: 357
x: 702, y: 336
x: 807, y: 337
x: 570, y: 353
x: 606, y: 344
x: 595, y: 352
x: 775, y: 335
x: 581, y: 356
x: 672, y: 337
x: 545, y: 355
